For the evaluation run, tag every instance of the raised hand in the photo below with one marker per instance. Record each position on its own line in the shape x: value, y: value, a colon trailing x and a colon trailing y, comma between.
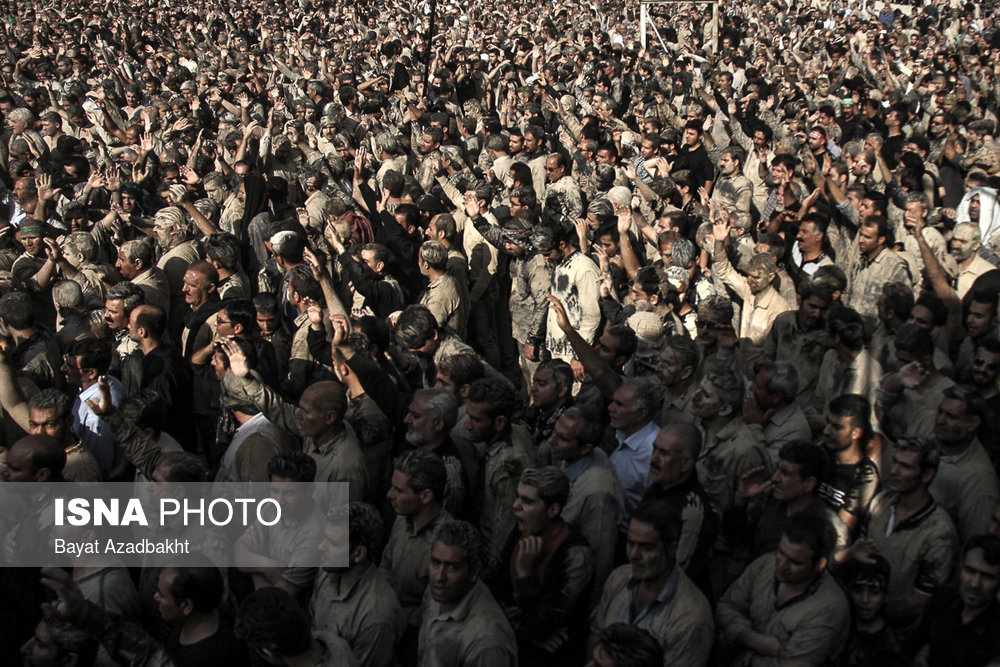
x: 237, y: 360
x: 562, y: 318
x: 102, y: 407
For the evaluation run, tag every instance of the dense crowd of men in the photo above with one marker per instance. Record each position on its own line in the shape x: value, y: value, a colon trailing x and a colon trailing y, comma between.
x: 681, y: 355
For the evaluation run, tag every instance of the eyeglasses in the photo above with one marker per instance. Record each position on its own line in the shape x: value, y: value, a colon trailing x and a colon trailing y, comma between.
x: 220, y: 321
x: 70, y: 362
x: 979, y: 361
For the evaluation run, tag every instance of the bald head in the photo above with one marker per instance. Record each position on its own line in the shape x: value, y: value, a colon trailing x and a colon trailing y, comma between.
x: 35, y: 458
x: 147, y: 322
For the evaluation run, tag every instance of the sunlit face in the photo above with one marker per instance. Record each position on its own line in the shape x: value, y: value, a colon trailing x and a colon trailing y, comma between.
x: 868, y: 239
x: 423, y: 427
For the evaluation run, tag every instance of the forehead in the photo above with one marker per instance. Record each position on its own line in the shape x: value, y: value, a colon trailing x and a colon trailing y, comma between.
x: 448, y: 554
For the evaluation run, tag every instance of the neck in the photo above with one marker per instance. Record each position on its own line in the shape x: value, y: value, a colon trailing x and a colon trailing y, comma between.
x: 871, y: 255
x: 851, y: 455
x: 425, y: 515
x: 793, y: 507
x: 242, y: 417
x: 915, y: 499
x: 953, y: 448
x: 790, y: 590
x: 330, y: 433
x: 629, y: 432
x: 223, y: 273
x: 147, y: 345
x: 654, y: 586
x: 872, y: 625
x: 847, y: 355
x: 21, y: 335
x: 809, y: 254
x: 197, y: 627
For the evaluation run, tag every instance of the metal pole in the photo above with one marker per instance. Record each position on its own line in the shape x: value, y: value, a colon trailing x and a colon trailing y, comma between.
x: 715, y: 25
x: 642, y: 23
x: 427, y: 53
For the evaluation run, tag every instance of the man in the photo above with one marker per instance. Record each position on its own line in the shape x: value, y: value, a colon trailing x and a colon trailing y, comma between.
x: 266, y: 555
x: 980, y: 322
x: 547, y: 592
x: 135, y: 264
x: 173, y: 235
x: 674, y: 478
x: 357, y: 603
x: 562, y: 201
x: 430, y: 162
x: 653, y: 592
x: 418, y: 332
x: 799, y: 336
x: 732, y: 191
x: 966, y: 483
x: 786, y: 608
x: 201, y: 303
x: 508, y: 451
x: 808, y: 252
x: 596, y: 504
x: 963, y: 626
x: 56, y: 642
x: 854, y: 478
x: 908, y: 399
x: 762, y: 303
x: 318, y: 420
x: 429, y: 420
x: 731, y: 449
x: 122, y: 299
x: 983, y: 376
x: 906, y: 527
x: 794, y: 488
x: 575, y: 281
x: 86, y: 361
x: 38, y: 268
x: 676, y: 371
x: 965, y: 245
x: 877, y: 266
x: 35, y: 352
x: 551, y: 394
x: 416, y: 494
x: 462, y: 623
x: 633, y: 407
x: 771, y: 407
x: 443, y: 296
x: 695, y: 155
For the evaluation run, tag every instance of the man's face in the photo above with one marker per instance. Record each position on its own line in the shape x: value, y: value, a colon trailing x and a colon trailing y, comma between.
x: 668, y: 465
x: 310, y: 416
x: 868, y: 601
x: 564, y: 443
x: 963, y: 243
x: 788, y: 482
x: 623, y: 414
x: 670, y: 368
x: 691, y: 137
x: 905, y: 473
x: 727, y: 165
x: 422, y: 427
x: 796, y: 563
x: 480, y: 426
x: 42, y: 651
x: 553, y: 170
x: 404, y: 500
x: 816, y: 141
x: 978, y: 580
x: 515, y: 144
x: 33, y: 244
x: 807, y: 236
x: 980, y: 319
x: 169, y: 607
x: 839, y: 432
x: 219, y: 367
x: 648, y: 149
x: 532, y: 143
x: 604, y: 156
x: 127, y: 267
x: 759, y: 139
x: 648, y: 556
x: 196, y: 288
x: 114, y: 315
x: 268, y: 323
x: 953, y: 425
x: 47, y: 422
x: 72, y: 370
x: 545, y: 393
x: 532, y: 515
x: 985, y: 368
x: 294, y: 498
x: 449, y: 574
x: 758, y: 279
x: 426, y: 144
x: 607, y: 346
x: 868, y: 239
x: 914, y: 213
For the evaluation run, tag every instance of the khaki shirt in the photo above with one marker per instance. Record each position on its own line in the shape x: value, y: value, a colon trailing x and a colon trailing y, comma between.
x: 474, y: 634
x: 575, y: 282
x: 869, y: 277
x: 443, y: 299
x: 505, y: 461
x: 966, y: 487
x: 726, y: 456
x: 680, y: 617
x: 595, y: 506
x: 967, y: 276
x: 365, y: 612
x: 803, y: 349
x: 811, y: 627
x: 406, y: 558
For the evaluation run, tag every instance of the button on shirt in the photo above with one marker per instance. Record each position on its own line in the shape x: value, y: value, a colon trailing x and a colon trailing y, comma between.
x: 631, y: 463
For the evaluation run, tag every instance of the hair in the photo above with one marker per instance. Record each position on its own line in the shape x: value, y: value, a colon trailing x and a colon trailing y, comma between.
x: 462, y: 368
x: 68, y: 295
x: 49, y: 399
x: 590, y: 423
x: 70, y: 639
x: 139, y: 250
x: 847, y: 325
x: 810, y: 458
x: 785, y: 378
x: 441, y: 403
x: 464, y: 535
x: 435, y: 255
x: 562, y: 372
x: 83, y: 244
x: 729, y: 384
x: 646, y: 394
x: 130, y: 294
x: 764, y: 261
x: 270, y: 619
x: 92, y: 353
x: 301, y: 280
x: 683, y: 253
x: 526, y: 196
x: 496, y: 394
x: 206, y: 270
x: 17, y: 310
x: 975, y: 404
x: 630, y: 646
x: 183, y: 467
x: 145, y: 409
x: 288, y: 246
x: 719, y: 306
x: 933, y: 303
x: 990, y: 544
x: 197, y: 579
x: 855, y: 407
x: 915, y: 339
x: 899, y: 298
x: 266, y: 303
x: 689, y: 435
x: 415, y: 326
x: 445, y: 223
x: 424, y: 471
x: 365, y: 528
x: 812, y: 529
x: 294, y: 466
x: 225, y: 249
x: 151, y: 318
x: 551, y: 482
x: 662, y: 516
